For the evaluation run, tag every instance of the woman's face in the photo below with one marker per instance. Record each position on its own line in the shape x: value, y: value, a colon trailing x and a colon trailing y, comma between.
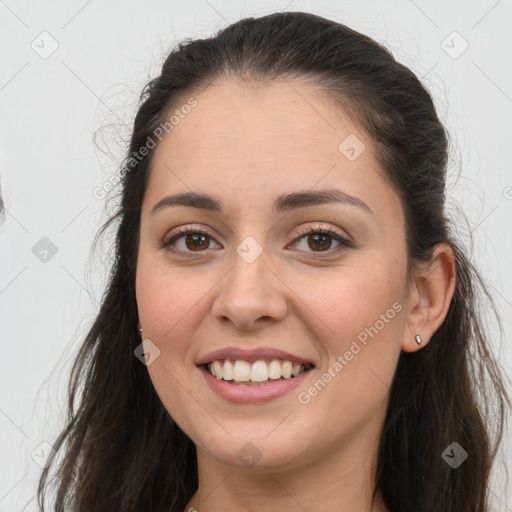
x: 259, y: 287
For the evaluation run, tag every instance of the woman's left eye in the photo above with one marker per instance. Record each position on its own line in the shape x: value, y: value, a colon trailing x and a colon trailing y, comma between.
x: 196, y: 240
x: 322, y: 238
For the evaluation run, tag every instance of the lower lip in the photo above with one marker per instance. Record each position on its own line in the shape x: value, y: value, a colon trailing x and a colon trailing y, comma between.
x: 241, y: 394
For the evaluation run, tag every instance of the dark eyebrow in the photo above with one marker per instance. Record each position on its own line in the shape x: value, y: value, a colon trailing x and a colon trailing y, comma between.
x: 283, y: 203
x: 306, y: 198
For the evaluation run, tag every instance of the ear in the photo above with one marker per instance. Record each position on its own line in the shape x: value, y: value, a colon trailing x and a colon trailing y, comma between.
x: 429, y: 299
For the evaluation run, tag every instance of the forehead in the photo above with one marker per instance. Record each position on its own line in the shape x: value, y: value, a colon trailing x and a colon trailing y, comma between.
x: 251, y: 142
x: 238, y: 121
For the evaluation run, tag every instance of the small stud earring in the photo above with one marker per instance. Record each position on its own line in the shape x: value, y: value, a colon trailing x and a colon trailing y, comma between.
x: 418, y: 339
x: 140, y: 331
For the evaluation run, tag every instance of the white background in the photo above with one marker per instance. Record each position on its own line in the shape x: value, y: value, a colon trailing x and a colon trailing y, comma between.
x: 50, y: 108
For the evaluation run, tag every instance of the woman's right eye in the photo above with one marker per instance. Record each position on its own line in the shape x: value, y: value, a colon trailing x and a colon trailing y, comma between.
x: 191, y: 240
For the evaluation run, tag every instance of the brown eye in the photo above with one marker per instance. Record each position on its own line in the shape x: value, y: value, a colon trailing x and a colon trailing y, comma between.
x: 320, y: 240
x: 188, y: 240
x: 197, y: 241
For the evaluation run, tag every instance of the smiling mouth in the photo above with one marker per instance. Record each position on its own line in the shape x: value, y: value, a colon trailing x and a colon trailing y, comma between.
x: 258, y: 373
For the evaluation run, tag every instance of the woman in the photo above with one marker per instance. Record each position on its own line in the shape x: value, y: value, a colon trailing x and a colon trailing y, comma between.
x: 289, y: 324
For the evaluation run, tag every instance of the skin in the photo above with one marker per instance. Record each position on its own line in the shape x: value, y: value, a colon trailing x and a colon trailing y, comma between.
x: 246, y: 144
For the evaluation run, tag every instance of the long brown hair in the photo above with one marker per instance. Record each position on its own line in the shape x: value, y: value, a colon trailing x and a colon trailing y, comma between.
x: 121, y: 451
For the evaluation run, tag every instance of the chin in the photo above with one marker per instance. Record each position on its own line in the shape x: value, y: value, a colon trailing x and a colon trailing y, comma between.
x: 265, y: 449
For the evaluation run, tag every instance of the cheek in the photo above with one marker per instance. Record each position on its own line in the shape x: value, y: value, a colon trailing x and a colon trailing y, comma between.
x: 361, y: 314
x: 168, y: 304
x: 168, y: 300
x: 351, y: 300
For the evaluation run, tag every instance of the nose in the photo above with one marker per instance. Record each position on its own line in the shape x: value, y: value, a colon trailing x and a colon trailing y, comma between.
x: 251, y: 295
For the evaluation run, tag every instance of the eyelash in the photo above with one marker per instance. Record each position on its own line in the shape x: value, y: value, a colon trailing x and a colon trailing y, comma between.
x: 310, y: 230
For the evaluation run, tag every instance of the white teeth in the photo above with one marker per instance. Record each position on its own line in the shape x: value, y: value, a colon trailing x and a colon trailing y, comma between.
x: 259, y: 371
x: 228, y: 370
x: 296, y: 369
x: 217, y: 370
x: 274, y: 370
x: 241, y: 371
x: 286, y: 369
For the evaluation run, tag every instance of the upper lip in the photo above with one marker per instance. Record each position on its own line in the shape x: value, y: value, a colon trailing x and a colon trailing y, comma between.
x: 257, y: 354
